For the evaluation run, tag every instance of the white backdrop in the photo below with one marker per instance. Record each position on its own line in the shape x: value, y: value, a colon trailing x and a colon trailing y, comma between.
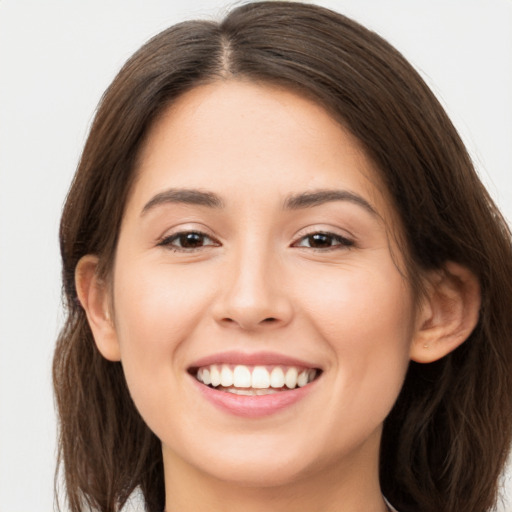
x: 56, y: 59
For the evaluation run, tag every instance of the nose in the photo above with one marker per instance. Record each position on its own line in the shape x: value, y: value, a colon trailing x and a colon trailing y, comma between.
x: 253, y: 293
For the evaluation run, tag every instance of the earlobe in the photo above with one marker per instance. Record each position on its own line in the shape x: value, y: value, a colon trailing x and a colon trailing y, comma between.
x: 94, y: 297
x: 448, y: 313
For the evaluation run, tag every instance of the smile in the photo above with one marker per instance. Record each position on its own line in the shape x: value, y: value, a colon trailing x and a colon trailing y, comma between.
x: 254, y: 380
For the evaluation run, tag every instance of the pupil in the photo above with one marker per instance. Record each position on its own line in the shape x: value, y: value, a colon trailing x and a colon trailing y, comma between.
x: 191, y: 240
x: 320, y: 240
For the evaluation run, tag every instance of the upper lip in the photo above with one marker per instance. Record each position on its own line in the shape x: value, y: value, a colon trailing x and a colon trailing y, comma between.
x: 252, y: 359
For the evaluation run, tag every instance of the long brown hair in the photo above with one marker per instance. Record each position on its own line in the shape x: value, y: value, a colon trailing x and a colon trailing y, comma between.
x: 446, y: 440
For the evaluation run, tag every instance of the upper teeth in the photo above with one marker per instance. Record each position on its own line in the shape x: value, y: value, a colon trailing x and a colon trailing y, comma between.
x: 258, y: 377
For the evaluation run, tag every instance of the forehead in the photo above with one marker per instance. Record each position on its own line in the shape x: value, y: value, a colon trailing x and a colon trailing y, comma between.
x: 242, y: 137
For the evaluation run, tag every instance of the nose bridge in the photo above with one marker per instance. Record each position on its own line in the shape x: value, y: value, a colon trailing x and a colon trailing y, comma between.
x: 254, y: 294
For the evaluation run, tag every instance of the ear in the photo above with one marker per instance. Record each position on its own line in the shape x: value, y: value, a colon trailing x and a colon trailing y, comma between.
x: 94, y: 297
x: 448, y: 314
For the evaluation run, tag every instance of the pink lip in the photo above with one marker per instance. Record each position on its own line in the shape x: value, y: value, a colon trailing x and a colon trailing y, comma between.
x: 254, y: 359
x: 252, y: 406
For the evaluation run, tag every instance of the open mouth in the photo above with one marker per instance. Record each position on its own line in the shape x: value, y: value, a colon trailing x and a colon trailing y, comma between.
x: 254, y: 380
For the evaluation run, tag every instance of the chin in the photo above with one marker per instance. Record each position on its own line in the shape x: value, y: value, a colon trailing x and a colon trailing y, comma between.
x: 261, y: 474
x: 254, y: 462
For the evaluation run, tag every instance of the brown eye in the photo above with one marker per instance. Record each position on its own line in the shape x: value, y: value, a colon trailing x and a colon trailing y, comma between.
x: 190, y: 240
x: 187, y: 240
x: 324, y: 241
x: 320, y: 241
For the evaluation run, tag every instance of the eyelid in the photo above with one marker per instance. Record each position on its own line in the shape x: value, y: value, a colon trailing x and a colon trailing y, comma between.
x: 186, y: 227
x: 325, y: 229
x: 167, y: 243
x: 346, y: 240
x: 175, y: 232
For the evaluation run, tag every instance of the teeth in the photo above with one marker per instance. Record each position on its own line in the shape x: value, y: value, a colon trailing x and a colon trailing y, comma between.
x: 241, y: 377
x: 257, y: 380
x: 291, y: 378
x: 206, y: 376
x: 214, y: 376
x: 276, y: 377
x: 250, y: 392
x: 302, y: 379
x: 226, y: 376
x: 260, y: 378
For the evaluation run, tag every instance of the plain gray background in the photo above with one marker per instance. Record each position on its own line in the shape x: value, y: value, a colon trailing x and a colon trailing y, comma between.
x: 56, y: 59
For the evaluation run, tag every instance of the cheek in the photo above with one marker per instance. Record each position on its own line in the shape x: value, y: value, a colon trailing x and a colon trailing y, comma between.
x: 156, y: 303
x: 156, y: 308
x: 359, y: 308
x: 366, y: 319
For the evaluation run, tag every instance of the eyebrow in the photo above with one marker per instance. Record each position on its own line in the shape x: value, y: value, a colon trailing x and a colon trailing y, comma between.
x: 184, y: 196
x: 294, y: 202
x: 319, y: 197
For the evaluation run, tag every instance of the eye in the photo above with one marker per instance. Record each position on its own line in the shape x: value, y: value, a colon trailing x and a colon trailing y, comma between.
x: 187, y: 241
x: 321, y: 240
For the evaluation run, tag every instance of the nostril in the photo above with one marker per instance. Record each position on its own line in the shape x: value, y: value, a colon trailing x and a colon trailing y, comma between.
x: 247, y: 322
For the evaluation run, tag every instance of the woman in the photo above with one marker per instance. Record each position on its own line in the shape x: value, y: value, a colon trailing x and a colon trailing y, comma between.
x: 287, y: 288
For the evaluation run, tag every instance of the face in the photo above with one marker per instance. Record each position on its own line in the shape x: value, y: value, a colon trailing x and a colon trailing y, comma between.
x: 255, y: 254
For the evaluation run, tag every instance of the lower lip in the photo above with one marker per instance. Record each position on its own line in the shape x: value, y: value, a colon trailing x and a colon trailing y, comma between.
x: 253, y: 406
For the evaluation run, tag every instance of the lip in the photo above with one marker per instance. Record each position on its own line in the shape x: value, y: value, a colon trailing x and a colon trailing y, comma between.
x: 252, y: 359
x: 252, y: 406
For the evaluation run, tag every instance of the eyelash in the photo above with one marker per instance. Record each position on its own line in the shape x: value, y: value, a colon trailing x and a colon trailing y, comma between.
x: 180, y: 236
x: 341, y: 242
x: 337, y: 242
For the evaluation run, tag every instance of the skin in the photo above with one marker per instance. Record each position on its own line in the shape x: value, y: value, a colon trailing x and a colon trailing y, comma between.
x: 256, y: 281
